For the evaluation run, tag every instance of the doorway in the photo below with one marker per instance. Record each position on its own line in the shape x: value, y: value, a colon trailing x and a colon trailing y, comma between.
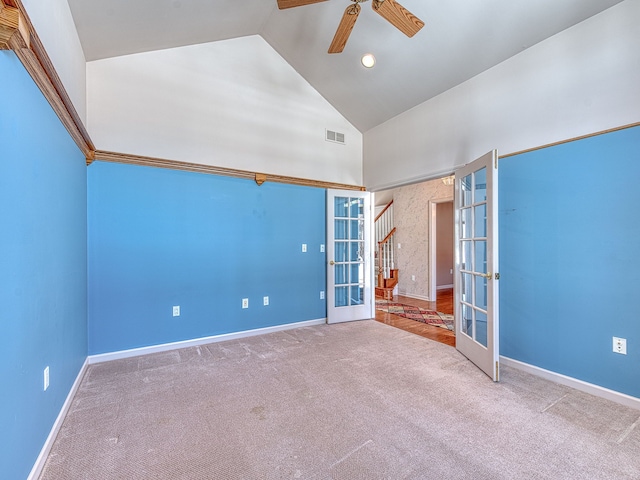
x: 441, y: 245
x: 417, y: 209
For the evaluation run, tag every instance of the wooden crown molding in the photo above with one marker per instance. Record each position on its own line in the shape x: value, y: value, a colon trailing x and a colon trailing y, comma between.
x: 258, y: 177
x: 573, y: 139
x: 12, y: 23
x: 17, y: 34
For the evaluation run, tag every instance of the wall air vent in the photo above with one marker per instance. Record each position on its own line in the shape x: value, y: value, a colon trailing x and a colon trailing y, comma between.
x: 335, y: 137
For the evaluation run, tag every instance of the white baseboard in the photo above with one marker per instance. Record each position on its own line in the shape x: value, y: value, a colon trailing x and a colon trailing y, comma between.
x: 36, y: 470
x: 165, y: 347
x: 414, y: 295
x: 444, y: 287
x: 598, y: 391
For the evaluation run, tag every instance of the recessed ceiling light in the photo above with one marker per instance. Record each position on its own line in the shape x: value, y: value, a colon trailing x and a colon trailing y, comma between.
x: 368, y: 60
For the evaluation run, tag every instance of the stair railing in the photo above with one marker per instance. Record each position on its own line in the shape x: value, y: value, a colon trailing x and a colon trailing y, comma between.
x: 385, y: 232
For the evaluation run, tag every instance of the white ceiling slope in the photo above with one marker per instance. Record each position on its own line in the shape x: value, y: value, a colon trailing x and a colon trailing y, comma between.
x: 461, y: 39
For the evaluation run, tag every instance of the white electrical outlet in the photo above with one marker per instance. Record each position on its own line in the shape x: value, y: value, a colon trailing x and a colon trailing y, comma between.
x: 304, y: 247
x: 46, y: 378
x: 620, y: 345
x: 245, y: 303
x: 322, y: 248
x: 322, y: 295
x: 399, y: 246
x: 413, y: 278
x: 176, y: 310
x: 265, y: 301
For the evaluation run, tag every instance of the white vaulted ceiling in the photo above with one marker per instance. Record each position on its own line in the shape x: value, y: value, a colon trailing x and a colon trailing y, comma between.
x: 461, y: 39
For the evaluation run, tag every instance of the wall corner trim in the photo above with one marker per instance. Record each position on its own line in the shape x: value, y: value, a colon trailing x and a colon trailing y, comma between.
x: 46, y: 448
x: 580, y: 385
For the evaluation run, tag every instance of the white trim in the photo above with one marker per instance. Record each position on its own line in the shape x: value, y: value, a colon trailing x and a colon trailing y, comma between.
x: 432, y: 247
x: 598, y: 391
x: 414, y: 295
x: 36, y: 470
x: 444, y: 287
x: 165, y: 347
x: 412, y: 180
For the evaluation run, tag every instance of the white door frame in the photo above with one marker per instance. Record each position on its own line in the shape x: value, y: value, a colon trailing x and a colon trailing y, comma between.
x: 433, y: 205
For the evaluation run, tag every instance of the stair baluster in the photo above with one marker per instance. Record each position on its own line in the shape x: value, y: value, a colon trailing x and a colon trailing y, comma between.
x: 387, y: 274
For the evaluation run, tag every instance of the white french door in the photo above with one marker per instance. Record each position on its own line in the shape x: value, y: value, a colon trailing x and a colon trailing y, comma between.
x: 349, y: 256
x: 476, y: 263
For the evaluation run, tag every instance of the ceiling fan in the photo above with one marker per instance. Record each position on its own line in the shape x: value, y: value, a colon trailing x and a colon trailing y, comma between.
x: 390, y: 10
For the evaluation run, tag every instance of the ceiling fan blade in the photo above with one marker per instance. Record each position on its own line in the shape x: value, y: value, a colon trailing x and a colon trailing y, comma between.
x: 398, y: 16
x: 347, y: 23
x: 282, y: 4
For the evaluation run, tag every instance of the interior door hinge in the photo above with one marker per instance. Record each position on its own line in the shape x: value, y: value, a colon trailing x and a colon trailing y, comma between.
x: 497, y: 276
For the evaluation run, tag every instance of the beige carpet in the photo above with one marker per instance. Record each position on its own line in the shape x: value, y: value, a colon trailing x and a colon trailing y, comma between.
x: 352, y: 401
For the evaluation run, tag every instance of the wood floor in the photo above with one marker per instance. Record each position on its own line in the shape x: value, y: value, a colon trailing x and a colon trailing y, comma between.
x: 443, y: 303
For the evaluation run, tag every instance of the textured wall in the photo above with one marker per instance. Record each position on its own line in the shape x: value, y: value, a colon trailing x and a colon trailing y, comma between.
x: 411, y: 211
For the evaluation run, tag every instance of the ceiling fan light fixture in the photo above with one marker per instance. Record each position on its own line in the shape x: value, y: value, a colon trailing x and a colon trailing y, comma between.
x: 368, y: 60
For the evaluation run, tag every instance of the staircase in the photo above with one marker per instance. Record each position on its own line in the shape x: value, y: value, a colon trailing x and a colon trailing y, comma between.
x: 387, y: 274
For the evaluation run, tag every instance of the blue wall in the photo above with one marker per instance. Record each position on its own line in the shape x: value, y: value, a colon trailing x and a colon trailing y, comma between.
x: 569, y: 258
x: 159, y: 238
x: 43, y: 267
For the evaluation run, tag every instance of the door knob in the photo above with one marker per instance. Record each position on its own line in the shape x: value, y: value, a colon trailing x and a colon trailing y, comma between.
x: 331, y: 262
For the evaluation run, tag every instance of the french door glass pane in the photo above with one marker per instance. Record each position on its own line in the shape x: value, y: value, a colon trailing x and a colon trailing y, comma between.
x: 356, y: 249
x: 357, y: 273
x: 465, y: 191
x: 466, y: 287
x: 357, y: 227
x: 357, y: 208
x: 480, y: 193
x: 480, y: 224
x: 340, y: 230
x: 465, y: 227
x: 481, y: 292
x: 467, y: 320
x: 481, y: 328
x: 480, y: 261
x: 340, y: 252
x: 342, y: 297
x: 341, y: 274
x: 465, y: 261
x: 341, y: 205
x: 357, y: 295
